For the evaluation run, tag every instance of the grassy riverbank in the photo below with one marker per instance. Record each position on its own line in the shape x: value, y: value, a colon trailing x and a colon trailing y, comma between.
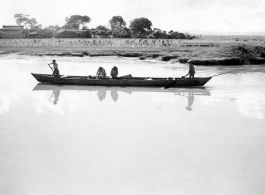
x: 209, y: 50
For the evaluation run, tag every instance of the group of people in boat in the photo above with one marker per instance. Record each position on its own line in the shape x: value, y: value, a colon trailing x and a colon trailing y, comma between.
x: 101, y: 73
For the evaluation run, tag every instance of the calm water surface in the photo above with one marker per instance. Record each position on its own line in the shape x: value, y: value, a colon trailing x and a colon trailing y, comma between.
x: 113, y: 140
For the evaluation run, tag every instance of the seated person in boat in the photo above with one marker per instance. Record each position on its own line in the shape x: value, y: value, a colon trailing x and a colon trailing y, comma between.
x: 101, y: 73
x: 55, y: 69
x: 114, y: 72
x: 191, y: 70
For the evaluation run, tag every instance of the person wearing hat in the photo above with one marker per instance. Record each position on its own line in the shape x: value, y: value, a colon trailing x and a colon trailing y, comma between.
x: 191, y: 70
x: 101, y: 73
x: 55, y: 69
x: 114, y: 72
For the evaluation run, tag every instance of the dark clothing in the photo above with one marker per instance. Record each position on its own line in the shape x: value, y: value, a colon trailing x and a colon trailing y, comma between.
x: 56, y: 72
x: 191, y: 71
x: 101, y: 73
x: 114, y: 72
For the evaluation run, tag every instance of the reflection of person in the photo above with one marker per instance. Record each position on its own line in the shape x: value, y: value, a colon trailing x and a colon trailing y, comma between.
x: 191, y: 69
x: 114, y: 95
x: 55, y: 69
x: 101, y: 73
x: 114, y: 72
x: 56, y: 94
x: 102, y: 94
x: 190, y: 101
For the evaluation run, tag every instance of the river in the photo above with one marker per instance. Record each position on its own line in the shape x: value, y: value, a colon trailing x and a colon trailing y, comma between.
x: 130, y: 140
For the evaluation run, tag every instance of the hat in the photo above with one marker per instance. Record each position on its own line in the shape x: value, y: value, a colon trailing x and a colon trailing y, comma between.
x: 53, y: 60
x: 189, y: 61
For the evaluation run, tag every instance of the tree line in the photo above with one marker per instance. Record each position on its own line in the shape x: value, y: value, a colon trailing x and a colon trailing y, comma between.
x: 138, y: 28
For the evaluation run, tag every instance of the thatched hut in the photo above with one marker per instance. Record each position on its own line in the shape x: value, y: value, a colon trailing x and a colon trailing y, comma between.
x: 70, y: 33
x: 12, y: 32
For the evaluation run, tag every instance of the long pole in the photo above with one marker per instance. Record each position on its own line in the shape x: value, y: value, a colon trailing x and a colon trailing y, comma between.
x: 221, y: 74
x: 50, y: 67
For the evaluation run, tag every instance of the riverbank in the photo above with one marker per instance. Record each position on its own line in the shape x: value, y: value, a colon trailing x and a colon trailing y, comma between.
x: 206, y: 51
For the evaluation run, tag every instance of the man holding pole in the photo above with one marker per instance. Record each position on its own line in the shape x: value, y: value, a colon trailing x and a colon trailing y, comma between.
x: 191, y: 70
x: 55, y: 69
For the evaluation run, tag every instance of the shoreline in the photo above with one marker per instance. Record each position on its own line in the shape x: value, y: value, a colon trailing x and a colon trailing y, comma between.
x: 201, y: 52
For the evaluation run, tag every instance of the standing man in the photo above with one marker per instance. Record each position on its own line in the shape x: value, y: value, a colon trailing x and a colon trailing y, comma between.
x: 55, y: 69
x: 191, y: 70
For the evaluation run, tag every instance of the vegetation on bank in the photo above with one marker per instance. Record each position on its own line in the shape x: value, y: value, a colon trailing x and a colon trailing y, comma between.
x: 138, y: 28
x: 201, y: 52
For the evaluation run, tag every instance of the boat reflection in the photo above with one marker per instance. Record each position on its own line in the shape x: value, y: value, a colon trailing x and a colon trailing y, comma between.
x: 102, y: 91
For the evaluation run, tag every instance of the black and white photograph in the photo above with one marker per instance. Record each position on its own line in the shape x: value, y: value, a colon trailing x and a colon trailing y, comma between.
x: 132, y: 97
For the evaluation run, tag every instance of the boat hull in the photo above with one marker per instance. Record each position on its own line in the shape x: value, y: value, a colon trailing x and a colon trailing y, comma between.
x: 124, y: 82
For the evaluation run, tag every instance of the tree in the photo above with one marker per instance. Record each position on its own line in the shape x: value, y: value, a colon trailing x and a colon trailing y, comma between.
x: 118, y: 27
x: 174, y: 35
x: 140, y: 27
x: 28, y: 23
x: 159, y: 34
x: 117, y: 21
x: 75, y: 21
x: 121, y: 32
x: 52, y: 28
x: 103, y: 31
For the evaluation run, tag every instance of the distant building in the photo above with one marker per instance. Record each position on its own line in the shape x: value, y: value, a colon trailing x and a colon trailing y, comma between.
x: 40, y: 34
x: 12, y: 32
x: 34, y: 35
x: 70, y: 33
x: 13, y: 27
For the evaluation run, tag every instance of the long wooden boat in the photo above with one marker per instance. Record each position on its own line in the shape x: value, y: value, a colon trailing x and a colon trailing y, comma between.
x: 122, y: 81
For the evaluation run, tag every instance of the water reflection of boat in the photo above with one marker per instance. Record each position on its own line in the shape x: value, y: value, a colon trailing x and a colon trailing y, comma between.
x: 125, y: 82
x: 129, y: 90
x: 102, y: 91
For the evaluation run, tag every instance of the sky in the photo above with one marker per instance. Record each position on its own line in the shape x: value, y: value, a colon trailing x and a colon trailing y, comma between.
x: 177, y: 15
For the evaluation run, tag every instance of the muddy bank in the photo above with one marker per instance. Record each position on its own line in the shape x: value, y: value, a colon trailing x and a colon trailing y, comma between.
x: 235, y: 55
x: 201, y: 52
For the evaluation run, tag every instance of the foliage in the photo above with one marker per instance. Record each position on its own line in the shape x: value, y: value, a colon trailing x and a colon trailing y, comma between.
x: 151, y: 36
x: 121, y: 32
x: 176, y: 35
x: 140, y: 27
x: 117, y: 21
x: 36, y: 28
x: 28, y: 23
x: 88, y: 33
x: 159, y: 34
x: 118, y: 27
x: 103, y: 31
x: 75, y: 21
x: 52, y: 28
